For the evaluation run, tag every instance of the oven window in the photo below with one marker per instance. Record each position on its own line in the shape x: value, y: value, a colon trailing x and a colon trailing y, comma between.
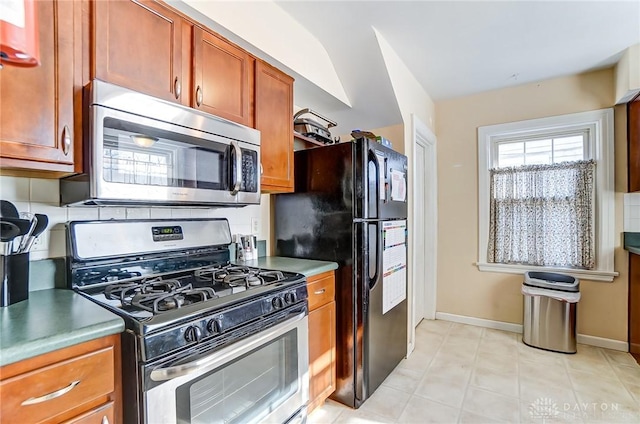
x: 136, y: 154
x: 244, y: 390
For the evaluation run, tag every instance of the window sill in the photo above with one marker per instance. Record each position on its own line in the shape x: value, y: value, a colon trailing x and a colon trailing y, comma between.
x: 580, y: 274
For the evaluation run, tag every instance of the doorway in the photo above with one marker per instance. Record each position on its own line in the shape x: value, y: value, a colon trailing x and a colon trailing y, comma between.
x: 425, y: 212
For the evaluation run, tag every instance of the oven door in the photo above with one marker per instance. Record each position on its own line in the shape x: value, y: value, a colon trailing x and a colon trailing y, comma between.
x: 263, y: 378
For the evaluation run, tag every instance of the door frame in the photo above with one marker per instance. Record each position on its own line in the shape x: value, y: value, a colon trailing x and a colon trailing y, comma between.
x: 423, y: 136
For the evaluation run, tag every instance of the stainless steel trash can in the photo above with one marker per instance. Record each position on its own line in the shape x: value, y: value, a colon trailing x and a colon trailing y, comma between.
x: 550, y: 303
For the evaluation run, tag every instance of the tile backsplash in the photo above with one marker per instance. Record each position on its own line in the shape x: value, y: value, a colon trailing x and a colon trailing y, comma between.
x: 632, y: 212
x: 42, y: 196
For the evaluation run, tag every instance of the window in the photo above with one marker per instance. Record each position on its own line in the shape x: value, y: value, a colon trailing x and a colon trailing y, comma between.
x: 546, y: 195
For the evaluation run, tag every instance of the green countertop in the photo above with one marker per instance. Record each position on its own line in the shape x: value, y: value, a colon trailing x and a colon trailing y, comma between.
x: 50, y: 320
x: 307, y: 267
x: 632, y: 242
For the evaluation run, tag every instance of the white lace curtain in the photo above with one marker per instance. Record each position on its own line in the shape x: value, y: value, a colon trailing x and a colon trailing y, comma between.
x: 543, y: 215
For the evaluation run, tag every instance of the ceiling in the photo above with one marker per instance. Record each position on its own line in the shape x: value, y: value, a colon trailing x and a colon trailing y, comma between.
x: 457, y: 48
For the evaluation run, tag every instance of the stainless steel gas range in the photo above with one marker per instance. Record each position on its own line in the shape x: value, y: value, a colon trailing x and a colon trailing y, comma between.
x: 206, y: 341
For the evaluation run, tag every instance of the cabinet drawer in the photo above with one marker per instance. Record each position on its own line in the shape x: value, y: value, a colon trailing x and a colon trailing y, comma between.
x: 104, y: 414
x: 321, y: 291
x: 49, y: 391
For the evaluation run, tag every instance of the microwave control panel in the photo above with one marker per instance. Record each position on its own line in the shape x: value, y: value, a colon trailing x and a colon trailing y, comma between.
x: 249, y: 171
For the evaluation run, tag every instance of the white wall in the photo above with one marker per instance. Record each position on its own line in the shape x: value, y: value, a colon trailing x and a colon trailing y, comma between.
x: 627, y: 74
x: 42, y: 196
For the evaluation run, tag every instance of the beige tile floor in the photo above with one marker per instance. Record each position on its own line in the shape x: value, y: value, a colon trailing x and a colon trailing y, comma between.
x: 465, y: 374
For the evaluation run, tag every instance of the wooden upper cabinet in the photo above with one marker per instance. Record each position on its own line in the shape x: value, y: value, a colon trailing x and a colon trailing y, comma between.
x: 633, y: 133
x: 36, y: 104
x: 274, y: 119
x: 222, y: 78
x: 138, y: 45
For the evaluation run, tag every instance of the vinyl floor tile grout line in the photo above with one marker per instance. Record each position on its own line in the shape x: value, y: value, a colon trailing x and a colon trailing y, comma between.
x: 609, y: 382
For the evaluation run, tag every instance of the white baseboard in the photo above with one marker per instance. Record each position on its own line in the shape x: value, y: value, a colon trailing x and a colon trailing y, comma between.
x: 517, y: 328
x: 602, y: 342
x: 480, y: 322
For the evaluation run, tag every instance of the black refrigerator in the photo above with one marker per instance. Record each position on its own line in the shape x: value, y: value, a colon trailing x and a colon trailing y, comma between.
x: 350, y: 207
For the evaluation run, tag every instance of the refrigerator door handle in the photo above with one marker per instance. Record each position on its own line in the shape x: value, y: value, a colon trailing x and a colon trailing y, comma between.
x: 373, y: 158
x: 374, y: 257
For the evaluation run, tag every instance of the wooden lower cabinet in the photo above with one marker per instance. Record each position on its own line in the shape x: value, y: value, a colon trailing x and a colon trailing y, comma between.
x: 633, y: 140
x: 634, y: 305
x: 322, y: 338
x: 78, y: 384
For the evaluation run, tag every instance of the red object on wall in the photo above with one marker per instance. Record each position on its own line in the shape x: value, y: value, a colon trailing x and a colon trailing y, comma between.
x: 19, y: 43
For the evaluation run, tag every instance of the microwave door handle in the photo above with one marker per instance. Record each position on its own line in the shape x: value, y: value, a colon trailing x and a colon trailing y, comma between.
x: 237, y: 171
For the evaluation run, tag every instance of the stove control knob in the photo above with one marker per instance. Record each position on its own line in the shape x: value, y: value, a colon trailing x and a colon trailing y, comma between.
x: 215, y: 326
x: 278, y: 302
x: 192, y: 334
x: 290, y: 298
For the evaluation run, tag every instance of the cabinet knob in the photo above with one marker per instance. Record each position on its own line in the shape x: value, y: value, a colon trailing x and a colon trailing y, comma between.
x: 66, y: 140
x: 177, y: 88
x: 199, y: 96
x: 105, y: 420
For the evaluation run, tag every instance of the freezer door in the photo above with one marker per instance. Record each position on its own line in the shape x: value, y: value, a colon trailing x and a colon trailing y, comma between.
x: 381, y: 173
x: 385, y: 332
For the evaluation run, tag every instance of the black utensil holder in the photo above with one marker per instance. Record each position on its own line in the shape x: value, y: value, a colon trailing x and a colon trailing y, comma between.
x: 14, y: 273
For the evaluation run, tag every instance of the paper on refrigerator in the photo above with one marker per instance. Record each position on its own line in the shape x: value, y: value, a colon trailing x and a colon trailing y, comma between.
x: 398, y: 186
x: 394, y: 264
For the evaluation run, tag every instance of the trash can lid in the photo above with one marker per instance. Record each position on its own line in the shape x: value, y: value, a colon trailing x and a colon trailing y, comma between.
x: 551, y: 280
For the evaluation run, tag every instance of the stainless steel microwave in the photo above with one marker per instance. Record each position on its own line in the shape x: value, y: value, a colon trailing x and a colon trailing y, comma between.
x: 141, y: 150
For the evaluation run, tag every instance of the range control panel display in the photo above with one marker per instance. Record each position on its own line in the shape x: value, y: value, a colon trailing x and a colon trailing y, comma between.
x: 173, y: 232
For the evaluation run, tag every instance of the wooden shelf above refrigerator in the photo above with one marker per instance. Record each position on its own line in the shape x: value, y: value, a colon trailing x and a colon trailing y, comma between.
x: 307, y: 141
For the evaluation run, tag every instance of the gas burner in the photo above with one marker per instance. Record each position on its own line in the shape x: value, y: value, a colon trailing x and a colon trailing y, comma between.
x: 235, y: 280
x: 272, y: 276
x: 158, y: 301
x: 238, y: 276
x: 158, y: 294
x: 111, y: 275
x: 159, y: 285
x: 125, y: 291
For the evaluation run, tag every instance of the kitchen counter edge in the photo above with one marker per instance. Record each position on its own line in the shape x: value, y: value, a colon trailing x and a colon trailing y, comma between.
x: 50, y: 320
x: 307, y: 267
x: 632, y: 242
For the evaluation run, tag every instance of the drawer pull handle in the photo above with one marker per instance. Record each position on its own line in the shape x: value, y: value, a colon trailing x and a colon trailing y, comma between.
x: 52, y: 395
x: 321, y: 291
x: 105, y: 420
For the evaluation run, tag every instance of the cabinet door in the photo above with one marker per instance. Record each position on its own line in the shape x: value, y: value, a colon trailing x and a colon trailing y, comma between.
x: 104, y: 414
x: 137, y: 45
x: 274, y: 119
x: 634, y: 304
x: 223, y: 78
x: 322, y: 352
x: 69, y: 386
x: 633, y: 137
x: 36, y: 104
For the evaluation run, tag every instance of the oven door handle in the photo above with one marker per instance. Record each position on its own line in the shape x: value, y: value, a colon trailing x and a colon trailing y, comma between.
x: 214, y: 360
